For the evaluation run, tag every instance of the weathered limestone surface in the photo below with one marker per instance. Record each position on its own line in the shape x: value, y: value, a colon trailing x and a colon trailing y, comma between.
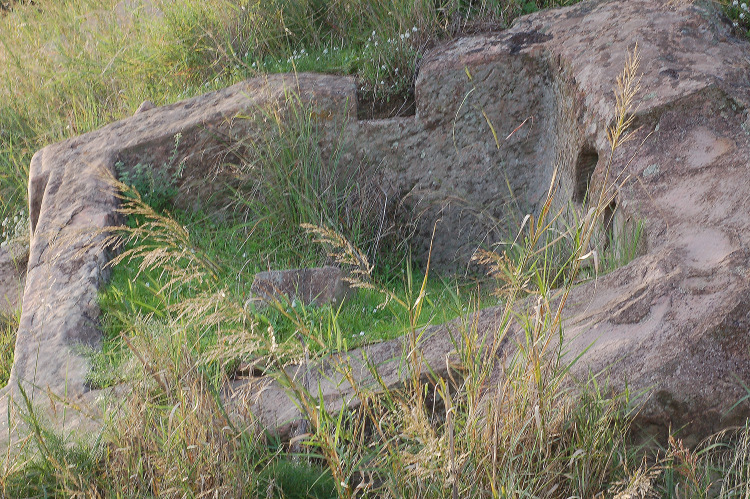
x: 673, y: 322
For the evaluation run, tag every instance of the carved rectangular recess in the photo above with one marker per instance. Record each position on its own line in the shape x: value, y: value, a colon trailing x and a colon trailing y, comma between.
x: 584, y: 169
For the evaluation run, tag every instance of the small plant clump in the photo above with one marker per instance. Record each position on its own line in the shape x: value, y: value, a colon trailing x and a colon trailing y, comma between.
x: 739, y: 12
x: 389, y: 63
x: 8, y: 329
x: 15, y: 234
x: 15, y: 241
x: 158, y: 186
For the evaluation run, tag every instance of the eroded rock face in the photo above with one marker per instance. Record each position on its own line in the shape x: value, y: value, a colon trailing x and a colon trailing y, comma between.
x: 70, y: 198
x: 674, y: 322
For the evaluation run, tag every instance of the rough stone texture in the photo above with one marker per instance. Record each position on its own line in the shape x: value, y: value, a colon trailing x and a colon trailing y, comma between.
x: 445, y: 165
x: 146, y: 105
x: 674, y: 322
x: 70, y: 197
x: 316, y: 286
x: 265, y: 399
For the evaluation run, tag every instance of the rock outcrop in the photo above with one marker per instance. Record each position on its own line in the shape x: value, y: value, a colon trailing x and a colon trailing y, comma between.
x: 71, y: 197
x: 673, y: 324
x: 496, y: 114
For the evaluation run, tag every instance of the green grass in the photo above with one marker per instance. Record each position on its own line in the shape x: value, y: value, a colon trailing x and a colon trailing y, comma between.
x: 283, y: 182
x: 239, y: 251
x: 177, y: 331
x: 72, y: 66
x: 8, y: 328
x: 739, y: 13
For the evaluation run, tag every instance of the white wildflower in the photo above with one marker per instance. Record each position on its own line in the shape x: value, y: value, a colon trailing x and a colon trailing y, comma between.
x: 407, y: 34
x: 414, y: 29
x: 274, y: 346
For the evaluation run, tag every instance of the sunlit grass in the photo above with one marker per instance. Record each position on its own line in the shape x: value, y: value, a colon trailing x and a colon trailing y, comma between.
x: 176, y: 332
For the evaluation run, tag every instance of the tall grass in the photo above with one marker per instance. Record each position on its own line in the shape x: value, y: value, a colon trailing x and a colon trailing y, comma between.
x: 504, y: 423
x: 288, y: 178
x: 505, y: 428
x: 71, y: 66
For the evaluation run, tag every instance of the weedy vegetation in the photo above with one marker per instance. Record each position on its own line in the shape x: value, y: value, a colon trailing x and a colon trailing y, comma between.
x: 739, y: 13
x: 177, y: 322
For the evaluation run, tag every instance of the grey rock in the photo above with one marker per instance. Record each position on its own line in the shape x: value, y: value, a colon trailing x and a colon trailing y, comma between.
x: 673, y: 323
x: 70, y: 198
x: 146, y: 105
x: 312, y: 286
